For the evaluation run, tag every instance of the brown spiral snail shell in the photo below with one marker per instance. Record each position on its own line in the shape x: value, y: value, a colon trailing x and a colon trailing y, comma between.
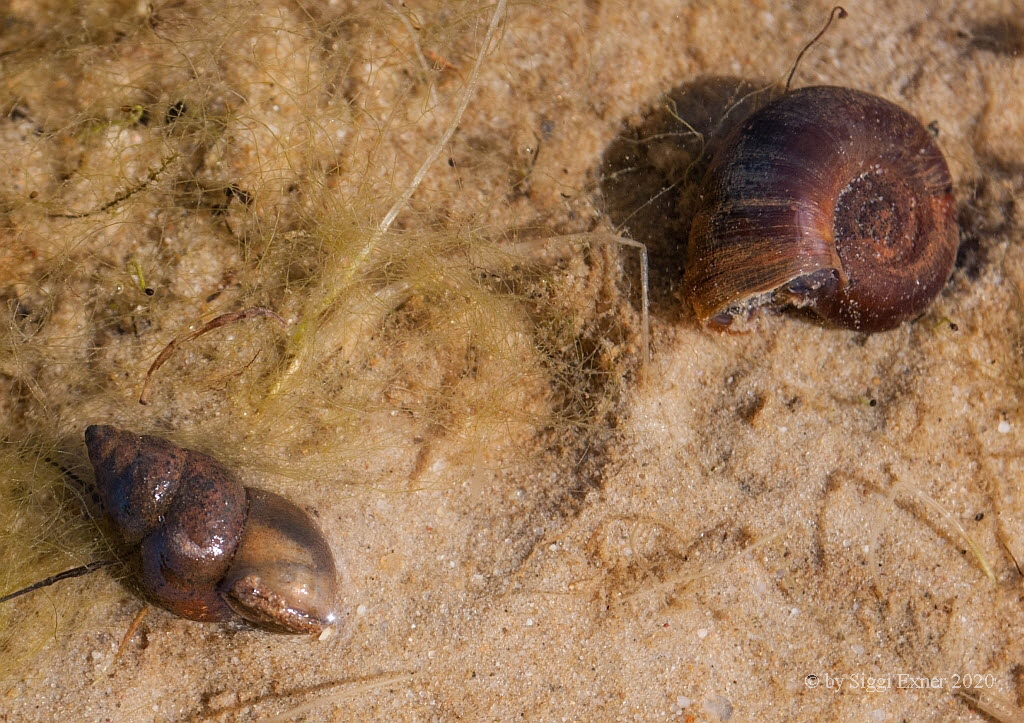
x: 827, y: 198
x: 211, y: 549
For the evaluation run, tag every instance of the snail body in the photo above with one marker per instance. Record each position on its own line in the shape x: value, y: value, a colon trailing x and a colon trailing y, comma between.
x: 212, y: 549
x: 827, y: 198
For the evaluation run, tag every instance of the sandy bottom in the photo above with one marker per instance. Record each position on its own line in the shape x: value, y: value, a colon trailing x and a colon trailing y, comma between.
x: 792, y: 523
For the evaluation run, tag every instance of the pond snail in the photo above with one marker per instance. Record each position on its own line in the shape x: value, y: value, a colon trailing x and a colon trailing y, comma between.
x: 826, y: 198
x: 211, y: 549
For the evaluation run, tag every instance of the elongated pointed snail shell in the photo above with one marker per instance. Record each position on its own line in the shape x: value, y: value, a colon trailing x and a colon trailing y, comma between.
x: 828, y: 198
x: 212, y: 549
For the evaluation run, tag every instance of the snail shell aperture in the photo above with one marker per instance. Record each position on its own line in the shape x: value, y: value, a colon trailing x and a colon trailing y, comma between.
x: 212, y: 549
x: 828, y: 198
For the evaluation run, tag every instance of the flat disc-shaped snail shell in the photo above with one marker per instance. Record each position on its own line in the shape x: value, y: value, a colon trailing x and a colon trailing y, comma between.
x: 829, y: 198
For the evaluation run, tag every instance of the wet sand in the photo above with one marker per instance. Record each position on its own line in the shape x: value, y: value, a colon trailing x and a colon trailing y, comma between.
x: 776, y: 524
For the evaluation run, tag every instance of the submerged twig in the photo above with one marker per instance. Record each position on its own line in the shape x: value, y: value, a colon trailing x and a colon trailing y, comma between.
x: 414, y: 37
x: 364, y: 253
x: 992, y: 705
x: 471, y: 83
x: 837, y: 11
x: 124, y: 195
x: 968, y: 540
x: 432, y: 155
x: 348, y: 689
x: 66, y: 575
x: 130, y: 632
x: 218, y: 322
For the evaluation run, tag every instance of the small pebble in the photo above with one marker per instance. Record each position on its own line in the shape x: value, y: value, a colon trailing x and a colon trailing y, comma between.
x: 681, y: 704
x: 719, y: 706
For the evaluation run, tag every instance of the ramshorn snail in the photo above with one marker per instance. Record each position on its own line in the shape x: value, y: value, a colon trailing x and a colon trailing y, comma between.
x: 210, y: 548
x: 827, y: 198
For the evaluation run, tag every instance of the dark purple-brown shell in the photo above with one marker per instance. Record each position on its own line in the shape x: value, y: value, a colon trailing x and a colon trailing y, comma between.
x: 828, y: 198
x: 212, y: 549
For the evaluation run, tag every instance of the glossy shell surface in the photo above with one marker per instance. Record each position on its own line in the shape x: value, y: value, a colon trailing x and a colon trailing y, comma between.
x: 828, y: 198
x: 210, y: 548
x: 283, y: 576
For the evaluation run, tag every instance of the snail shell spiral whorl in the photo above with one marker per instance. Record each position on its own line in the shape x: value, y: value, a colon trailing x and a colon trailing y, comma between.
x: 828, y: 198
x: 211, y: 549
